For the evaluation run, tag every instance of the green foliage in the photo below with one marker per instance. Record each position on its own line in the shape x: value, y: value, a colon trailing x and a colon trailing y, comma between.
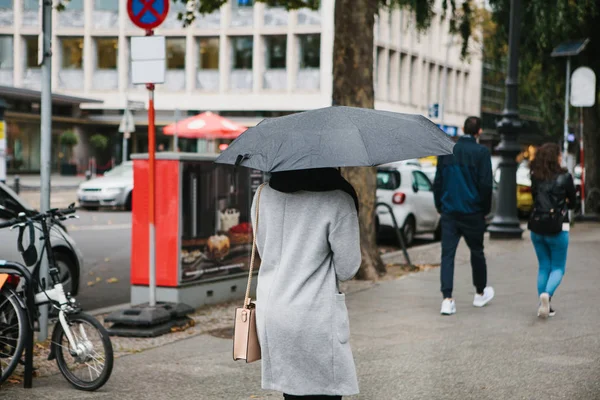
x: 69, y: 139
x: 544, y: 26
x: 99, y: 142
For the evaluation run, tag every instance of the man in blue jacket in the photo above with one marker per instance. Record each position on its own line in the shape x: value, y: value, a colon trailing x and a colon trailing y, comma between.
x: 463, y: 195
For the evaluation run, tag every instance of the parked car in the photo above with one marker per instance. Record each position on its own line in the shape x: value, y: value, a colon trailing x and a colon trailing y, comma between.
x: 68, y: 258
x: 428, y: 167
x: 524, y: 197
x: 114, y: 189
x: 409, y: 192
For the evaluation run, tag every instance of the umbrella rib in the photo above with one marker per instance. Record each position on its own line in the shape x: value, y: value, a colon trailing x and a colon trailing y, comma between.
x: 361, y: 139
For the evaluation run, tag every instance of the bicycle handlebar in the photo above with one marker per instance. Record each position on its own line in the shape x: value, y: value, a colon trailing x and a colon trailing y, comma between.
x: 52, y: 213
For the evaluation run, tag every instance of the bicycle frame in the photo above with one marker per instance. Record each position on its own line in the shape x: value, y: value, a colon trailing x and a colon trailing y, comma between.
x: 56, y: 295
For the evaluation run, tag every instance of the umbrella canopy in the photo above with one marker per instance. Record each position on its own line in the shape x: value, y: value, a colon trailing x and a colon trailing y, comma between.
x: 336, y: 137
x: 205, y: 126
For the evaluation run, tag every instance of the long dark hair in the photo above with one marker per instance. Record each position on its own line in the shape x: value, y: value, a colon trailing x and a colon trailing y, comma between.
x: 312, y: 180
x: 545, y: 165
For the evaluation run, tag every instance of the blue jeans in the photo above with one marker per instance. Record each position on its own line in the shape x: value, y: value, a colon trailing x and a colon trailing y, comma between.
x: 551, y: 252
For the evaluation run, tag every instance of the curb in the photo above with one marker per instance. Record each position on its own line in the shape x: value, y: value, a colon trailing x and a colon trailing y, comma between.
x: 399, y: 253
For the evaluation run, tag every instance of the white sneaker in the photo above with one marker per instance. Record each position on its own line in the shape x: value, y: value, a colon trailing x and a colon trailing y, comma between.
x: 483, y: 299
x: 448, y: 307
x: 544, y: 310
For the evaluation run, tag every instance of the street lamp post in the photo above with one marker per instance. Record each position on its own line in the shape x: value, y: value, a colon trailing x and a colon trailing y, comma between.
x: 505, y: 224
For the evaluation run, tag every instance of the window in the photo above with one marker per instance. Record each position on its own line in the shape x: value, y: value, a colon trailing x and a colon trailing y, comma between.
x: 421, y: 182
x: 32, y: 5
x: 276, y: 52
x: 209, y: 53
x: 106, y: 5
x: 31, y: 47
x: 6, y: 52
x: 75, y: 5
x: 9, y: 202
x: 6, y: 4
x: 106, y: 52
x: 242, y: 52
x: 310, y: 51
x: 72, y: 53
x: 175, y: 53
x: 388, y: 179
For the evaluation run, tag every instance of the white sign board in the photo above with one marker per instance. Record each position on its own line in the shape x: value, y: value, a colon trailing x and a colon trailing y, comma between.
x: 583, y: 87
x: 148, y: 59
x: 127, y: 125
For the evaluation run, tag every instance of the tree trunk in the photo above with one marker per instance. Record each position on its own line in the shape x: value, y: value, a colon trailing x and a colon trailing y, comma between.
x: 353, y: 86
x: 591, y: 137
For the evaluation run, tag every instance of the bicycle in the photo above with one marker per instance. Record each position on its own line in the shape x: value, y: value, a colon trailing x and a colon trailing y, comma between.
x: 78, y: 338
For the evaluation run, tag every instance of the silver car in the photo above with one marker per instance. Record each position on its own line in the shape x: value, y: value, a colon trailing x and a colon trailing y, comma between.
x: 114, y: 189
x: 68, y: 258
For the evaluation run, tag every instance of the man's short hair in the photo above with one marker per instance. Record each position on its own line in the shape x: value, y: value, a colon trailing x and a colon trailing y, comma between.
x: 472, y: 126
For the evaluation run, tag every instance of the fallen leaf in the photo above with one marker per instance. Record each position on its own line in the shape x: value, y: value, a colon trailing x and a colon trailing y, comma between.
x: 98, y: 279
x: 91, y: 273
x: 91, y: 283
x: 112, y: 280
x: 106, y: 259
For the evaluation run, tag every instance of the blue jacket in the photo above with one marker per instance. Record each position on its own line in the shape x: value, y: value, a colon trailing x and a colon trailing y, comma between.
x: 463, y: 181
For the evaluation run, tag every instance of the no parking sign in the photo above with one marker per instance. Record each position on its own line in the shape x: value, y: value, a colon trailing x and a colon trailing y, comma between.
x: 147, y: 14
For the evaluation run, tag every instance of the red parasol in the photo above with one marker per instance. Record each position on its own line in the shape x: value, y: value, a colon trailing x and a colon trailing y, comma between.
x: 205, y: 126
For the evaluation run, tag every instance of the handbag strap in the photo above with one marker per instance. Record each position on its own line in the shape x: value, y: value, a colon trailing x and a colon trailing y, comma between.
x: 247, y: 298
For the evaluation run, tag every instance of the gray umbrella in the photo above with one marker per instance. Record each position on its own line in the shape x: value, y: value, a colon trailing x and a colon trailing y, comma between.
x: 336, y: 137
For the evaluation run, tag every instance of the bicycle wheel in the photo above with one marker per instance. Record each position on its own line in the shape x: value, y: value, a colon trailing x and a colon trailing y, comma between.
x: 89, y: 367
x: 13, y: 331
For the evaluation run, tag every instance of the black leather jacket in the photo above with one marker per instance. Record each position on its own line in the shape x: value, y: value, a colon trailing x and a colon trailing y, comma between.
x: 556, y: 194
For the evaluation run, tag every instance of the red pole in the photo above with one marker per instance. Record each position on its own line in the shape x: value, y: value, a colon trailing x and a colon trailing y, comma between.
x: 152, y: 192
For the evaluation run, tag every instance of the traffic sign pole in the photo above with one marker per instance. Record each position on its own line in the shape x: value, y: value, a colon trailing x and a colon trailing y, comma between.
x: 148, y: 14
x: 151, y: 197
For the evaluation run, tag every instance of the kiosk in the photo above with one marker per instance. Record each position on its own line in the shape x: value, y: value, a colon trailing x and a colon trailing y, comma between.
x: 203, y: 229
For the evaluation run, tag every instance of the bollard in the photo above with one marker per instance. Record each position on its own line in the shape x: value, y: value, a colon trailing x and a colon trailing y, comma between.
x: 17, y: 184
x: 88, y: 175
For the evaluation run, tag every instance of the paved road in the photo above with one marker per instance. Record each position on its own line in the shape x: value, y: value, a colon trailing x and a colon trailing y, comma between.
x: 404, y: 349
x: 104, y: 238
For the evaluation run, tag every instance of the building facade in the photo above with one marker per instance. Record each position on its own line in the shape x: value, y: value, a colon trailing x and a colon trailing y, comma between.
x: 246, y: 61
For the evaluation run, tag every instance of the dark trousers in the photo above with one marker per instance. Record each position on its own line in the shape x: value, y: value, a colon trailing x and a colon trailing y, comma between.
x: 472, y: 228
x: 317, y: 397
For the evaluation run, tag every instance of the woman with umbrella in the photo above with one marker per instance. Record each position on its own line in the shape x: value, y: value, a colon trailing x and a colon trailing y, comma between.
x: 308, y: 237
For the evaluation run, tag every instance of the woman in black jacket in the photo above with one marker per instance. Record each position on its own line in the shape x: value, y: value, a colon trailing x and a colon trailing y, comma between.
x: 553, y: 194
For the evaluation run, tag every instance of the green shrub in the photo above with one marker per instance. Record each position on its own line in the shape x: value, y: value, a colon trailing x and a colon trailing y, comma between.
x: 99, y: 142
x: 69, y: 139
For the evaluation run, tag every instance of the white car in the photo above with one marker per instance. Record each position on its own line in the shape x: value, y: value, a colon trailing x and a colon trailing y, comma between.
x: 114, y: 189
x: 409, y: 192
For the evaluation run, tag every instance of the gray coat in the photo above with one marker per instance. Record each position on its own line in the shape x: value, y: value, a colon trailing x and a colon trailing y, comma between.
x: 306, y: 240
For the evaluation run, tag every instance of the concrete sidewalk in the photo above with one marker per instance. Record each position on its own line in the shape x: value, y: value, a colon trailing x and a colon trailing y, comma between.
x: 404, y: 349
